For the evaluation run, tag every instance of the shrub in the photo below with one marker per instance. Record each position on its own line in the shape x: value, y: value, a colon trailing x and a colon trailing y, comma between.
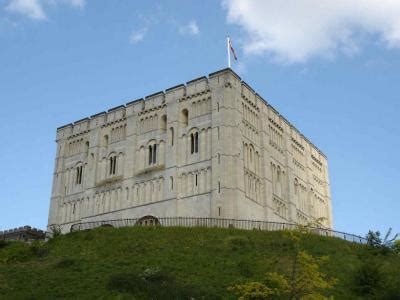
x: 55, y: 230
x: 386, y: 244
x: 251, y: 291
x: 39, y: 249
x: 3, y: 244
x: 369, y: 279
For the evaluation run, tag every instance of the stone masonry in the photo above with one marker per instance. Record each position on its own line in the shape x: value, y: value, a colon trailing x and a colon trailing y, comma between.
x: 210, y: 148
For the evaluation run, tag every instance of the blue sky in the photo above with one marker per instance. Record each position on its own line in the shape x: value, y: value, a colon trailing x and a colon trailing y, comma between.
x: 330, y: 68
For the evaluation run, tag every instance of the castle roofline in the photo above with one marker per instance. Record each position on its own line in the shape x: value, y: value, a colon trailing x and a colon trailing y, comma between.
x: 210, y: 75
x: 196, y: 79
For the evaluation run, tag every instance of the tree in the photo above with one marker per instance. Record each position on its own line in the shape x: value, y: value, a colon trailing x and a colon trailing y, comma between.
x: 374, y: 240
x: 396, y: 246
x: 252, y: 291
x: 309, y: 227
x: 306, y: 281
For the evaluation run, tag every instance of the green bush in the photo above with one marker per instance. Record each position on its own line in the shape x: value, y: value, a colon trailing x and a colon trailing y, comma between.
x: 3, y: 244
x: 369, y: 279
x: 39, y: 249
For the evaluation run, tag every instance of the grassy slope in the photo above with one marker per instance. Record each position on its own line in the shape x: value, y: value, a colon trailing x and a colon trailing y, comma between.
x: 109, y: 263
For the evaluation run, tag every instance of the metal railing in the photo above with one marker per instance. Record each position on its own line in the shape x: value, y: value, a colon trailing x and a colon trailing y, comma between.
x: 215, y: 222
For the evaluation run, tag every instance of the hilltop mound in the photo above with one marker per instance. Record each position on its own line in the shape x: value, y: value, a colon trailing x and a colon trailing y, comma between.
x: 165, y: 263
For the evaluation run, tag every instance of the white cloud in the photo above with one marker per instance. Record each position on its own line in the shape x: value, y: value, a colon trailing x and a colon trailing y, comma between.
x: 297, y: 30
x: 189, y: 29
x: 30, y: 8
x: 34, y: 9
x: 137, y: 36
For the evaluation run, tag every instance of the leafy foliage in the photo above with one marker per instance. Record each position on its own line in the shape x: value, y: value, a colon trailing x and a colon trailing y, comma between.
x: 252, y: 291
x: 55, y: 230
x: 396, y: 246
x: 304, y: 280
x: 309, y: 281
x: 374, y: 240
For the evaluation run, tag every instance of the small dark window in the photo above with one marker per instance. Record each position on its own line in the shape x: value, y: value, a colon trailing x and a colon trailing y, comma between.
x: 113, y: 165
x: 171, y: 130
x: 196, y: 179
x: 185, y: 118
x: 191, y: 143
x: 154, y: 153
x: 78, y: 179
x: 196, y: 142
x: 150, y: 155
x: 164, y: 122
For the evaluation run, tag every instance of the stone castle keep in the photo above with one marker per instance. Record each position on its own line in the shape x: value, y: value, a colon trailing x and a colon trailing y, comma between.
x: 210, y: 148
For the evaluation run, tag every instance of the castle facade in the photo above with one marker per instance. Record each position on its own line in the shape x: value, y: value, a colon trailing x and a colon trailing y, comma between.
x: 210, y: 148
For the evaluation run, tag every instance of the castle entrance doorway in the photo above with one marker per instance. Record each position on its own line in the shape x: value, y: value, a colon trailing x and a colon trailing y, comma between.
x: 148, y: 221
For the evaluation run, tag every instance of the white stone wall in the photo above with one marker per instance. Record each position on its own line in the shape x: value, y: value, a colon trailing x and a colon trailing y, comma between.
x: 221, y: 151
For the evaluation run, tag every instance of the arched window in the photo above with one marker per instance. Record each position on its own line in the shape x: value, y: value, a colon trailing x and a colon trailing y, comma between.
x: 105, y: 141
x: 87, y: 148
x: 152, y: 154
x: 78, y: 178
x: 194, y: 143
x: 185, y: 117
x: 171, y: 135
x: 171, y: 180
x: 164, y: 122
x: 113, y: 165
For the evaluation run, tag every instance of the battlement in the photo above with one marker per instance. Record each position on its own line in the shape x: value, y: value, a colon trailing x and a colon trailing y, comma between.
x: 180, y: 91
x: 24, y: 233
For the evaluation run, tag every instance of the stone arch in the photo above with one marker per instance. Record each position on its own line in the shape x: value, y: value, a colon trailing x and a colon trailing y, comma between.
x: 148, y: 220
x: 185, y: 117
x: 107, y: 225
x: 105, y: 140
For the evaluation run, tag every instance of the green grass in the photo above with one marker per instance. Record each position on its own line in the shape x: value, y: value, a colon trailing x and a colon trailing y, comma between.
x: 174, y: 263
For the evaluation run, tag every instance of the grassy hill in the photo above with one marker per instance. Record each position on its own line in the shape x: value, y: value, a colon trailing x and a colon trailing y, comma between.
x: 170, y: 263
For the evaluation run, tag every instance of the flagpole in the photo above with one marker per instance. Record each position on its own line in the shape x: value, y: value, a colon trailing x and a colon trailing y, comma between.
x: 229, y: 52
